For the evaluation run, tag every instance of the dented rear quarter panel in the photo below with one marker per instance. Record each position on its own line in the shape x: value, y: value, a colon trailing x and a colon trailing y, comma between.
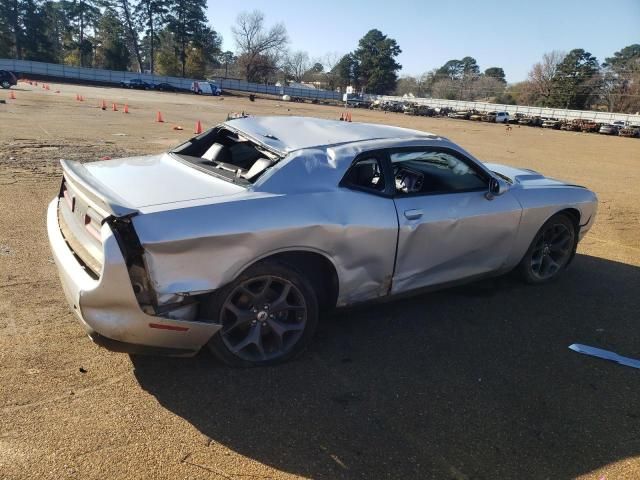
x: 201, y: 248
x: 201, y: 245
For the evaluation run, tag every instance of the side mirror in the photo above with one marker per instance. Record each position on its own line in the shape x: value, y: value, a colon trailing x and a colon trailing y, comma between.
x: 497, y: 187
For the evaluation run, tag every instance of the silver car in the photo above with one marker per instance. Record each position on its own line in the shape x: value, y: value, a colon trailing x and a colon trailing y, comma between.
x: 238, y: 237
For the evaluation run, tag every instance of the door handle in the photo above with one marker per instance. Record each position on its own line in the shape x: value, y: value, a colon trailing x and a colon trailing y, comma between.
x: 412, y: 214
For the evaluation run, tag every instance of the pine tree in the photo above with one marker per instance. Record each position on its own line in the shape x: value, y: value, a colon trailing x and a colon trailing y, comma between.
x: 37, y: 44
x: 375, y: 56
x: 575, y: 80
x: 186, y: 21
x: 151, y: 16
x: 111, y: 48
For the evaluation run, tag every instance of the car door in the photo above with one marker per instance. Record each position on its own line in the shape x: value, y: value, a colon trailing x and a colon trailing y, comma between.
x: 366, y: 249
x: 449, y: 228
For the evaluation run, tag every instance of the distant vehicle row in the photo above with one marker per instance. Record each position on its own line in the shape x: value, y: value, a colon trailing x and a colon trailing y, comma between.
x: 623, y: 129
x: 200, y: 88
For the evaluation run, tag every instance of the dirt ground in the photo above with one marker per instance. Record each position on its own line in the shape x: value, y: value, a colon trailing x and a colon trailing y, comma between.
x: 469, y: 383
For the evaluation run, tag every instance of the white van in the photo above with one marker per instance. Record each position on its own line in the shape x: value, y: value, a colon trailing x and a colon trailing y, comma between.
x: 205, y: 88
x: 502, y: 117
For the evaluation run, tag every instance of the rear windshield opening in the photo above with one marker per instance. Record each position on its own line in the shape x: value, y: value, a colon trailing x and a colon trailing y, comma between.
x: 227, y: 154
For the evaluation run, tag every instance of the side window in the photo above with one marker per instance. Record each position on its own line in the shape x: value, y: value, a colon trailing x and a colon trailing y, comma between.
x: 365, y: 173
x: 431, y: 171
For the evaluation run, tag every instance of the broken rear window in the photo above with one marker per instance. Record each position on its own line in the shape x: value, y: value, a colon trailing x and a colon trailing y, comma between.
x: 227, y: 154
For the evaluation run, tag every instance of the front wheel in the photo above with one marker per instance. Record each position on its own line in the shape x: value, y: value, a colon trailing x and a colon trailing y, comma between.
x: 5, y: 84
x: 268, y: 315
x: 550, y: 252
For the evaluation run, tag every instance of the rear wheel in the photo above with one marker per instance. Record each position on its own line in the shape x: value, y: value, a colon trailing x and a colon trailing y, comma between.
x: 6, y: 84
x: 268, y: 315
x: 550, y: 251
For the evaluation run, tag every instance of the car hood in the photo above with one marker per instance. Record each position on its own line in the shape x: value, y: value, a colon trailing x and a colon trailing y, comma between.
x: 525, y: 177
x: 155, y: 180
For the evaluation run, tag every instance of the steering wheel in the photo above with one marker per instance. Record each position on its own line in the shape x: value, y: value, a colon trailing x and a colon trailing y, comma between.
x: 407, y: 180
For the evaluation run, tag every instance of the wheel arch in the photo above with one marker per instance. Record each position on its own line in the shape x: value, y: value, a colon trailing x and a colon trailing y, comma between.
x: 316, y: 265
x: 573, y: 213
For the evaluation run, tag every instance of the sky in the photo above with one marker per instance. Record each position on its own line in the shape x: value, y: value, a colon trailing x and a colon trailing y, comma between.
x: 509, y: 34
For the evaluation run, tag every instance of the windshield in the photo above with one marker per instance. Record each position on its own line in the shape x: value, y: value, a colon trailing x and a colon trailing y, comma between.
x: 227, y: 154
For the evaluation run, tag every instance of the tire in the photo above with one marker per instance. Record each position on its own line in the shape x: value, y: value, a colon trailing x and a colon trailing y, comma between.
x: 6, y: 84
x: 262, y: 323
x: 550, y: 252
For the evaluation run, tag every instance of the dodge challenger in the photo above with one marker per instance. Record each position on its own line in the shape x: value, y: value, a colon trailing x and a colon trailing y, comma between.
x: 237, y: 238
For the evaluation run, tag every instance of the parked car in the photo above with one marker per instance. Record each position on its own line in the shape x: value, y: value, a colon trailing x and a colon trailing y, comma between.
x: 206, y: 88
x: 136, y: 83
x: 589, y: 126
x: 355, y: 100
x: 629, y: 131
x: 515, y: 119
x: 7, y: 79
x: 551, y: 123
x: 167, y: 87
x: 460, y: 115
x: 502, y: 117
x: 489, y: 117
x: 266, y: 221
x: 608, y: 129
x: 531, y: 121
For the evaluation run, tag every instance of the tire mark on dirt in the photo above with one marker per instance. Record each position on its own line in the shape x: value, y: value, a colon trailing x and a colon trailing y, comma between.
x: 76, y: 393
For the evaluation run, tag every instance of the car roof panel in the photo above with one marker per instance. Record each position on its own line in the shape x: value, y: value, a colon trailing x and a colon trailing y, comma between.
x: 288, y: 133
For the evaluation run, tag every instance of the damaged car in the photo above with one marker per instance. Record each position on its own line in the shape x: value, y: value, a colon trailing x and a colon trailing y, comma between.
x: 237, y: 238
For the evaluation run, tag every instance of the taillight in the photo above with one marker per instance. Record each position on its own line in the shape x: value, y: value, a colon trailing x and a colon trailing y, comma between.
x: 71, y: 201
x: 92, y: 225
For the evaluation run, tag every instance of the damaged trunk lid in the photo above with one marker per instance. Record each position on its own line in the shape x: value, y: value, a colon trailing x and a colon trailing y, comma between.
x: 123, y: 186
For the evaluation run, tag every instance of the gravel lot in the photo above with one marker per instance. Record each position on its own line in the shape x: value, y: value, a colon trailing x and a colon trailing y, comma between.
x: 469, y: 383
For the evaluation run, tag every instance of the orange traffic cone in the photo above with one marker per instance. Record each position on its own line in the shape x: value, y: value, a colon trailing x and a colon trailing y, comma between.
x: 198, y: 128
x: 159, y: 117
x: 126, y: 108
x: 115, y: 107
x: 12, y: 96
x: 103, y: 105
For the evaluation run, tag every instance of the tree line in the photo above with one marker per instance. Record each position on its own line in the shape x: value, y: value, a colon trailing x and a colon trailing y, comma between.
x: 169, y: 37
x: 173, y: 37
x: 574, y: 80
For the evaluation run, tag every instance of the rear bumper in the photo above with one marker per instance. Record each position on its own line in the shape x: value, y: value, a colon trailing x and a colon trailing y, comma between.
x: 134, y: 349
x: 107, y: 307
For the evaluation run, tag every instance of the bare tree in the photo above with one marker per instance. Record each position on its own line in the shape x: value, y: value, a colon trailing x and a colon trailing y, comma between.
x: 542, y: 74
x: 296, y: 65
x: 329, y: 61
x: 486, y: 88
x: 256, y: 45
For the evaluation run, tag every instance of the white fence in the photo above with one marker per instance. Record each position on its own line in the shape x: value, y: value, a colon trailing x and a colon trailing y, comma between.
x: 27, y: 67
x: 559, y: 113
